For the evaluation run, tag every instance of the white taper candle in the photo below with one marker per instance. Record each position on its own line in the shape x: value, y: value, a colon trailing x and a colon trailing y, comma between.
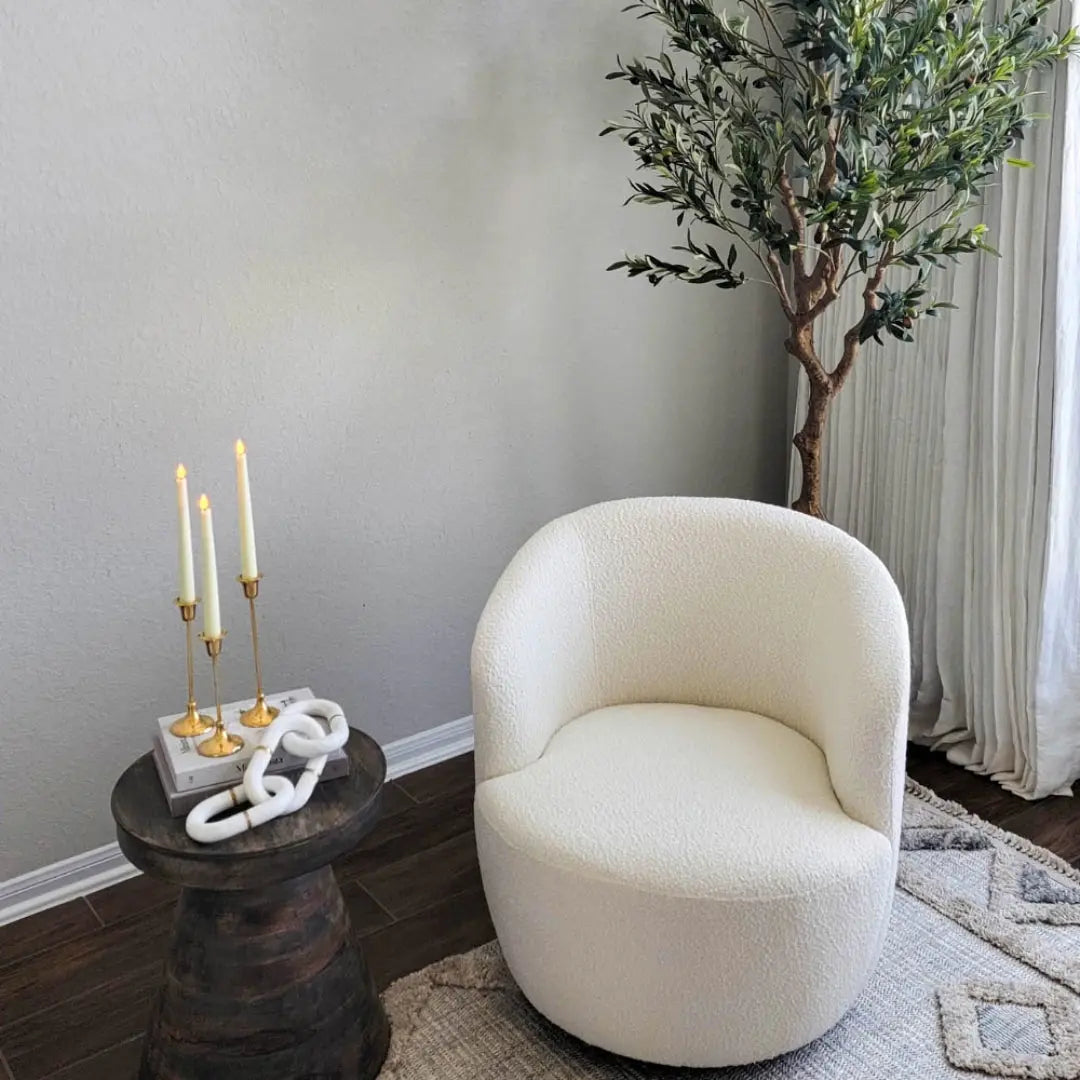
x: 249, y: 565
x: 211, y: 602
x: 186, y: 592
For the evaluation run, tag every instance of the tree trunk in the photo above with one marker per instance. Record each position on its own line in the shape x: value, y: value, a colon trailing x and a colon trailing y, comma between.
x: 808, y: 443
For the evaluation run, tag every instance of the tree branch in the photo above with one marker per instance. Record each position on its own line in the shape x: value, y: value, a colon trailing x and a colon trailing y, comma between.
x: 801, y: 345
x: 828, y: 286
x: 776, y: 272
x: 851, y: 338
x: 798, y: 223
x: 821, y: 284
x: 829, y: 173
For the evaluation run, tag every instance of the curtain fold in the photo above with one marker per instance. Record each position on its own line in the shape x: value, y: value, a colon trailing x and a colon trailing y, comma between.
x: 957, y: 460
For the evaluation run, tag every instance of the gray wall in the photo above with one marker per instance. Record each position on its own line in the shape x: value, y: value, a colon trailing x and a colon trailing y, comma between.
x: 370, y: 239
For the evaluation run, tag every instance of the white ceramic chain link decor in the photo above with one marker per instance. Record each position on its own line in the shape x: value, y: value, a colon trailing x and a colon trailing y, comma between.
x: 298, y: 730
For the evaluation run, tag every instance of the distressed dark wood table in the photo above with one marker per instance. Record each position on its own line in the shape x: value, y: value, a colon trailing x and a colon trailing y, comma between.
x: 262, y: 979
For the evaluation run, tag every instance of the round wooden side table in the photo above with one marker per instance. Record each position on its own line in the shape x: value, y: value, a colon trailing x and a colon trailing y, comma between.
x: 262, y: 979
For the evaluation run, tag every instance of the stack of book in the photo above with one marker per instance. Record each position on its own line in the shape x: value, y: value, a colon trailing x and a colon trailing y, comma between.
x: 187, y: 777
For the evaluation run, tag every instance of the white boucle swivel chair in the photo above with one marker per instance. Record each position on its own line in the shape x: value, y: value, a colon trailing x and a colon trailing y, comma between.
x: 690, y: 722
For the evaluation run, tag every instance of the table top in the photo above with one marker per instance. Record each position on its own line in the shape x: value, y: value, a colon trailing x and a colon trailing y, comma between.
x: 339, y: 813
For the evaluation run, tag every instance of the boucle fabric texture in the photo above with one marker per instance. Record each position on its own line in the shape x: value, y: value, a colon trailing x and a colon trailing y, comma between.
x: 961, y: 989
x: 639, y: 870
x: 684, y: 800
x: 638, y: 858
x: 719, y: 602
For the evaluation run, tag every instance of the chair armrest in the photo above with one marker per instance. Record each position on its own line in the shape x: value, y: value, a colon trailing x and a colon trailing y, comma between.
x: 862, y: 725
x: 533, y: 658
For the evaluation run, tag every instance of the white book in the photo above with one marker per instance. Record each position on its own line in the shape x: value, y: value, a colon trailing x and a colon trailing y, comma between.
x: 189, y: 770
x: 181, y: 802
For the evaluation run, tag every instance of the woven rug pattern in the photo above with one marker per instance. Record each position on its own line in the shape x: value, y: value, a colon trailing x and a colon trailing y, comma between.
x: 980, y: 976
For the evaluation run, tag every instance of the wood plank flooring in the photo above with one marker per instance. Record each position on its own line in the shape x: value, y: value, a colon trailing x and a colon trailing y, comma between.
x: 76, y: 982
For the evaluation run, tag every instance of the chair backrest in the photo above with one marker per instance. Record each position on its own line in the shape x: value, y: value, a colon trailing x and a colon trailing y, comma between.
x: 725, y: 602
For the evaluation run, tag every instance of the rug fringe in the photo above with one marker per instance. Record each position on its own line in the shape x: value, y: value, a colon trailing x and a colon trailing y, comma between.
x: 1018, y: 843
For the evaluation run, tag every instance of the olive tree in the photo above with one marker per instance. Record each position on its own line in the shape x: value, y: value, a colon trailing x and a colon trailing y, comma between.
x: 838, y: 144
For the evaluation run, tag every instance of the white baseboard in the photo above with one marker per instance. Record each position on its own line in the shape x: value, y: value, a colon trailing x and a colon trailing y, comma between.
x: 416, y: 752
x: 104, y: 866
x: 62, y: 881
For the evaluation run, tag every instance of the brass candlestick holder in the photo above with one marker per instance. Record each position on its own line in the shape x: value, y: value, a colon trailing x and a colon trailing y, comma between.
x: 192, y: 722
x: 221, y: 743
x: 260, y: 714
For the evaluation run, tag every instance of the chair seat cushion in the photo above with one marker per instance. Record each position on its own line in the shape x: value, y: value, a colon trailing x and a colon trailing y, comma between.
x: 684, y: 800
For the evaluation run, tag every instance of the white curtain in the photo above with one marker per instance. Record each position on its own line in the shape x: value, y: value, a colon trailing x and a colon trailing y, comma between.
x: 957, y: 460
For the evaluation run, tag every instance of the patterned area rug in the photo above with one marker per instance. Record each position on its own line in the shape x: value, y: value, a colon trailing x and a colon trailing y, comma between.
x: 980, y: 976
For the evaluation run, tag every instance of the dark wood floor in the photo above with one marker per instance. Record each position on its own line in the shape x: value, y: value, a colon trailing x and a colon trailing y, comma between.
x: 76, y: 982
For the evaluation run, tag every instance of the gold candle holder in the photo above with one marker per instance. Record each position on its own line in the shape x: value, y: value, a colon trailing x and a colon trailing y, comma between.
x: 192, y: 722
x: 221, y: 743
x: 260, y: 714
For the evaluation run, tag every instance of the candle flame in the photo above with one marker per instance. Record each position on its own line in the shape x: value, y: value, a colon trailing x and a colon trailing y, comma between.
x: 204, y: 503
x: 240, y: 447
x: 181, y: 472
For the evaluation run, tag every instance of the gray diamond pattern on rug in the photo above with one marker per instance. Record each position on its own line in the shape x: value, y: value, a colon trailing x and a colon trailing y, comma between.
x: 1023, y: 1029
x: 970, y: 983
x: 1019, y: 1029
x: 1024, y: 892
x: 1037, y: 887
x: 935, y: 838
